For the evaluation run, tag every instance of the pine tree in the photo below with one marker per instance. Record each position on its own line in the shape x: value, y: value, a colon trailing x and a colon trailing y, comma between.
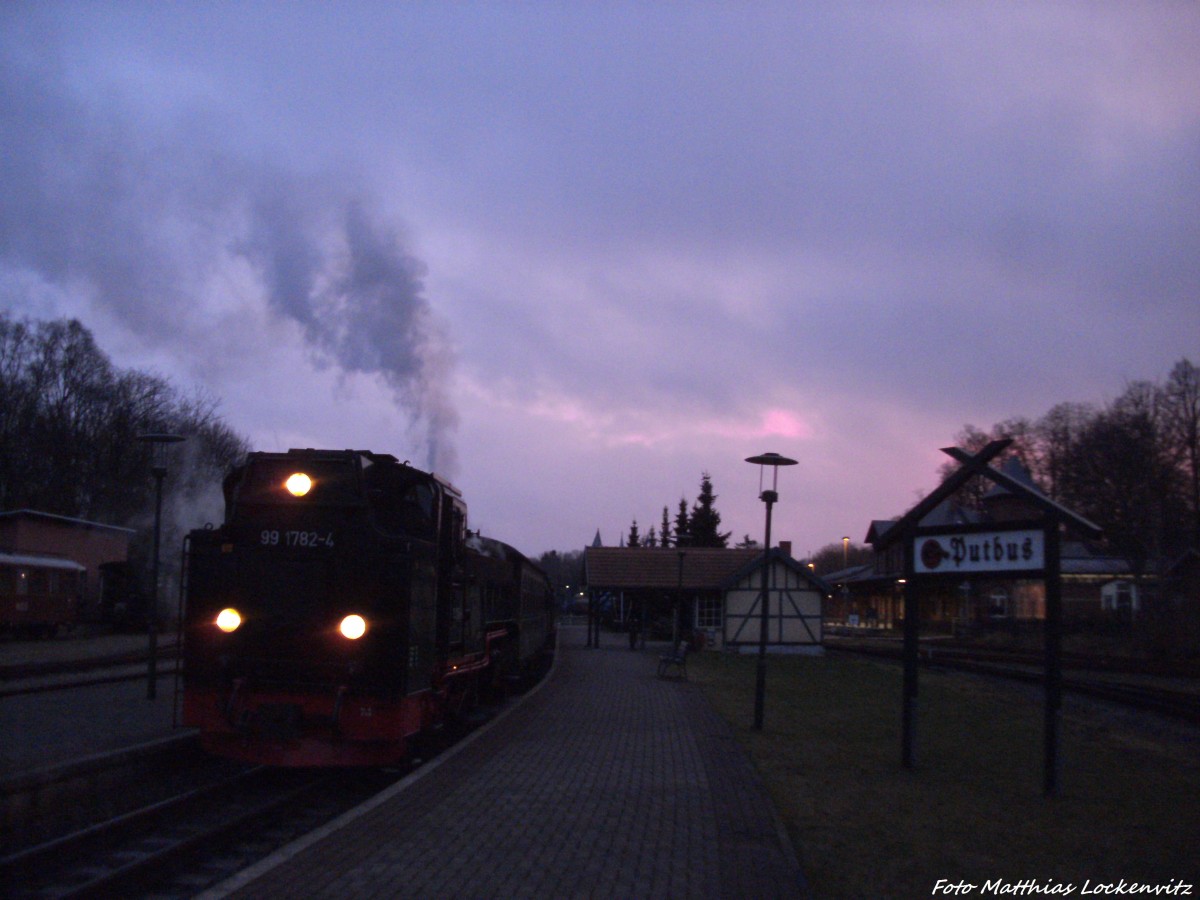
x: 682, y: 539
x: 666, y: 529
x: 634, y: 539
x: 705, y: 522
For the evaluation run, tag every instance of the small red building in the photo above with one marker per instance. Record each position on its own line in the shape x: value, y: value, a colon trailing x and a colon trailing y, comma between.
x: 90, y: 544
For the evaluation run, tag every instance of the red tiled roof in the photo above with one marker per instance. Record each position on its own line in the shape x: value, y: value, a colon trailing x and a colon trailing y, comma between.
x: 658, y: 567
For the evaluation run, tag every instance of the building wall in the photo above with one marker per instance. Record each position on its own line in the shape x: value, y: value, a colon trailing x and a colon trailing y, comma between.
x: 794, y: 616
x: 87, y: 543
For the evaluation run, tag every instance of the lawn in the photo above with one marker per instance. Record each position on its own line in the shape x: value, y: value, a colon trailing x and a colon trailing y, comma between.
x: 973, y: 810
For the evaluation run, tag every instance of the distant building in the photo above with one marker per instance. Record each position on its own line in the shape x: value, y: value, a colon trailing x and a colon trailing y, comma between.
x: 1095, y: 583
x: 89, y: 544
x: 714, y: 591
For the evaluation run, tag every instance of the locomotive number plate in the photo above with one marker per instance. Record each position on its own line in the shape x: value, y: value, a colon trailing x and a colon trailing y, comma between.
x: 272, y: 537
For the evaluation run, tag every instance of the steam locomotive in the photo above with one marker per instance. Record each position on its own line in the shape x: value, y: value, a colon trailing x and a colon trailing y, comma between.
x: 343, y: 610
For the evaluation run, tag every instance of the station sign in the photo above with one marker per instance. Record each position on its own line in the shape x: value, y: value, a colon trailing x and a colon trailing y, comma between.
x: 979, y: 551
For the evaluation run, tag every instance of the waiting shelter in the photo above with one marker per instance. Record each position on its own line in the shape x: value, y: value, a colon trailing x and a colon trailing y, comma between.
x: 713, y: 593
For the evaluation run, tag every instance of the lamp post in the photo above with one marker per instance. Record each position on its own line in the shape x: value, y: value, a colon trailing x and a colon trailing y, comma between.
x: 678, y: 601
x: 774, y: 460
x: 157, y: 442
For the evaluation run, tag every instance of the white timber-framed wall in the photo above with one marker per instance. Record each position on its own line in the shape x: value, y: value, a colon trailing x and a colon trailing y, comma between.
x: 795, y: 614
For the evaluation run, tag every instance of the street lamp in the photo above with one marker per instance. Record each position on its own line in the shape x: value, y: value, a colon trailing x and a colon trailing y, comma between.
x: 158, y: 443
x: 678, y: 600
x: 774, y: 460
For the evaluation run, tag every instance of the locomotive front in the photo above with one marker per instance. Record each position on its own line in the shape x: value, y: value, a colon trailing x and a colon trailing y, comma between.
x: 311, y: 611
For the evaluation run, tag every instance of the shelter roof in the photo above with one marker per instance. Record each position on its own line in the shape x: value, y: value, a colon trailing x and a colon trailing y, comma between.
x: 779, y: 556
x: 14, y: 514
x: 705, y: 568
x: 853, y: 573
x: 1080, y: 559
x: 1017, y: 471
x: 950, y: 513
x: 879, y: 527
x: 45, y: 562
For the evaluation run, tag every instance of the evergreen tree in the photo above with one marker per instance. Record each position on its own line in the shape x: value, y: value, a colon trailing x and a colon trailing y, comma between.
x: 634, y: 539
x: 705, y: 522
x: 666, y: 529
x: 682, y: 539
x: 651, y: 538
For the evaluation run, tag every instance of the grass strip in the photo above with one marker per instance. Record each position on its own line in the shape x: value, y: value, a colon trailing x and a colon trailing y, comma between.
x: 972, y: 811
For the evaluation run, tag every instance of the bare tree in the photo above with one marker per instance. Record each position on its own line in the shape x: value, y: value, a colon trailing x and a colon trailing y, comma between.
x: 1056, y: 435
x: 69, y: 421
x: 1181, y: 412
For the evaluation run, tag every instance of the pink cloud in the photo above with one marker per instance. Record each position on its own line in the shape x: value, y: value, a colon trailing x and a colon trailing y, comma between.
x: 784, y: 423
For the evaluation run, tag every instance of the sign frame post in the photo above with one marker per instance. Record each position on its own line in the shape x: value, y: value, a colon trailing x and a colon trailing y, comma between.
x: 1001, y: 549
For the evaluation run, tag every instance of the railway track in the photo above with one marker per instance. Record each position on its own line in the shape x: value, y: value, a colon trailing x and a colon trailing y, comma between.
x: 208, y: 827
x: 1100, y: 683
x: 52, y: 675
x: 179, y: 846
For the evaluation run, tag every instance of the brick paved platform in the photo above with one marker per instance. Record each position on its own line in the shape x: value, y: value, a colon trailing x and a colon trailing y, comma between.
x: 607, y: 782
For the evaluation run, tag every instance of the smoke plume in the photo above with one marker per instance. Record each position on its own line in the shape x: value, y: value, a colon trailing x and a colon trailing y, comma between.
x: 141, y: 218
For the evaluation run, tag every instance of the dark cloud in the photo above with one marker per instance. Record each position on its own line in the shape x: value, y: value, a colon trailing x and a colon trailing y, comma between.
x: 139, y: 214
x: 656, y: 224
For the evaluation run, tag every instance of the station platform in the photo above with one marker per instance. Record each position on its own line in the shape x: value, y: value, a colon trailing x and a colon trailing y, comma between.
x: 606, y: 781
x: 62, y: 718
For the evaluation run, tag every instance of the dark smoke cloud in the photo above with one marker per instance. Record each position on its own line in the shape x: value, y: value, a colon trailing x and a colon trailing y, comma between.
x: 137, y: 216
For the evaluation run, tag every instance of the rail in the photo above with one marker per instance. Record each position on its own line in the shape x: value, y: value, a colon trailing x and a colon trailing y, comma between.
x: 1025, y: 667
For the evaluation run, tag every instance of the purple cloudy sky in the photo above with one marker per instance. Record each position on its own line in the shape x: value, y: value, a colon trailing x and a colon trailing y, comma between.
x: 576, y: 254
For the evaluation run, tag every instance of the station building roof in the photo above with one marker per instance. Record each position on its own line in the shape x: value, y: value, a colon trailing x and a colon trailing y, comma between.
x: 692, y: 568
x: 35, y: 515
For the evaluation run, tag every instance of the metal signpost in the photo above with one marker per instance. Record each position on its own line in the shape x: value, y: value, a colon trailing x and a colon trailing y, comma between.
x: 158, y: 442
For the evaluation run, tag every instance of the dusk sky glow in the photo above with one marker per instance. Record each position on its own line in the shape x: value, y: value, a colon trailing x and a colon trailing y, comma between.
x: 576, y: 254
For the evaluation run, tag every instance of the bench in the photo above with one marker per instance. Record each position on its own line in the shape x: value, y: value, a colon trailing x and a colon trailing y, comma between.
x: 676, y: 660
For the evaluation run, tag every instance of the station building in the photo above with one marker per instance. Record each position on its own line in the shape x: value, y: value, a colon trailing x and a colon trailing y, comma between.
x: 713, y: 593
x: 1096, y: 584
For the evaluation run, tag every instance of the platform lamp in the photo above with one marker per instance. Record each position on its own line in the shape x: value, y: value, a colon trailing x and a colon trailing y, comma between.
x: 158, y: 442
x: 774, y: 461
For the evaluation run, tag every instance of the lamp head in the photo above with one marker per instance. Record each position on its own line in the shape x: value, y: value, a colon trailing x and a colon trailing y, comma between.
x: 158, y: 441
x: 774, y: 460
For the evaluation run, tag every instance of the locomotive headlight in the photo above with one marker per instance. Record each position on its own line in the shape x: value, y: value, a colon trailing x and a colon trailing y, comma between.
x: 298, y: 484
x: 229, y: 620
x: 353, y: 627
